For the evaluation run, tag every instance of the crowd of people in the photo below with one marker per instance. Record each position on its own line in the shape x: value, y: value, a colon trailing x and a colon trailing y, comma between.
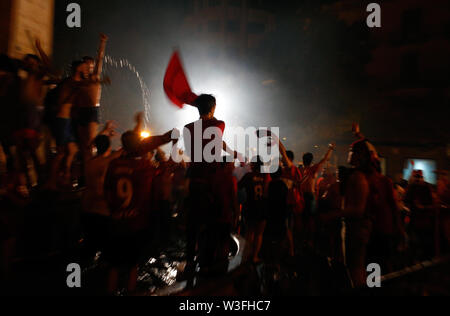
x: 129, y: 196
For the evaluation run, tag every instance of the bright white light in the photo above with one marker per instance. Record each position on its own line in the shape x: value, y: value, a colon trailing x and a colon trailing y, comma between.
x: 145, y: 134
x: 427, y: 166
x: 233, y: 85
x: 225, y: 110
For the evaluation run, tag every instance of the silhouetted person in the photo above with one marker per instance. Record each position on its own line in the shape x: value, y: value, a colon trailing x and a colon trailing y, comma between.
x: 310, y: 173
x: 63, y: 126
x: 356, y: 210
x: 201, y: 172
x: 276, y: 238
x: 419, y: 199
x: 255, y: 209
x: 87, y: 100
x: 128, y: 186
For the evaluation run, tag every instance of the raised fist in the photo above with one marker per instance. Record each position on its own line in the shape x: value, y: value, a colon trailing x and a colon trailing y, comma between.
x: 103, y: 37
x: 356, y: 129
x: 139, y: 118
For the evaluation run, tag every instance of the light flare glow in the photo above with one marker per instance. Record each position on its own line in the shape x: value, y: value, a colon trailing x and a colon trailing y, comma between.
x: 145, y: 134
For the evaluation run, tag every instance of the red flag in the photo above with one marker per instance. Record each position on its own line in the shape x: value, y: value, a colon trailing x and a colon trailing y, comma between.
x: 176, y: 84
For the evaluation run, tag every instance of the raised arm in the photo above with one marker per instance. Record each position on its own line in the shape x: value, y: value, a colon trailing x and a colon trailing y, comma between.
x: 109, y: 129
x: 276, y: 140
x: 356, y: 130
x: 356, y: 196
x: 139, y: 119
x: 233, y: 153
x: 101, y: 54
x: 327, y: 156
x: 286, y: 161
x: 154, y: 142
x: 45, y: 59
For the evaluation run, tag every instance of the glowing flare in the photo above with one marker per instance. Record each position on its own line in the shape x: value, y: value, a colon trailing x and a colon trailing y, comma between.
x: 145, y: 134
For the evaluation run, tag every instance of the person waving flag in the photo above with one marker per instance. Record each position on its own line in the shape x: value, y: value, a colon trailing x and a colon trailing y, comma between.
x: 176, y: 84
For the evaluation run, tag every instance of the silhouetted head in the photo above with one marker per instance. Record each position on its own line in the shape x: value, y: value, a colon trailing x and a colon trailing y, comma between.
x: 131, y: 142
x: 277, y: 175
x: 341, y: 173
x: 78, y: 68
x: 417, y: 177
x: 4, y: 62
x: 290, y: 155
x: 308, y: 159
x: 31, y: 62
x: 7, y: 64
x: 360, y: 156
x: 102, y: 143
x: 90, y: 64
x: 160, y: 156
x: 206, y: 104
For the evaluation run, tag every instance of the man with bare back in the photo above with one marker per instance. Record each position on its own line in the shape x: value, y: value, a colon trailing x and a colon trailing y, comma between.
x: 87, y: 101
x: 63, y: 128
x: 310, y: 174
x: 26, y: 135
x: 370, y: 213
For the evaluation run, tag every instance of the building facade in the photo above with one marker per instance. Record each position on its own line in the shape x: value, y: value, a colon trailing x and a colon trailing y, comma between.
x: 21, y: 22
x: 409, y: 71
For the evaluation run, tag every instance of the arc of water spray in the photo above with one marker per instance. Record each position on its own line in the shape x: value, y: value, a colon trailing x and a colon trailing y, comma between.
x: 124, y: 63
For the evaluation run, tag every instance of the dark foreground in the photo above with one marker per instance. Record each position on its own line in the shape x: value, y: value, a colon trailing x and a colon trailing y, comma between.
x: 53, y: 239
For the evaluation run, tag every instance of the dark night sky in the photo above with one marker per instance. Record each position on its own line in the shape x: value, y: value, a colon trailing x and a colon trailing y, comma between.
x: 144, y: 32
x: 319, y: 83
x: 133, y: 26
